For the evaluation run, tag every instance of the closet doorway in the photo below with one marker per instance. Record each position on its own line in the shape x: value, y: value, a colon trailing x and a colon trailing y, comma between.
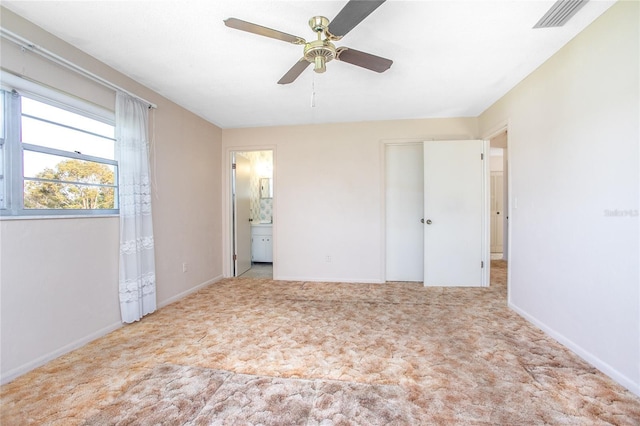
x: 436, y: 212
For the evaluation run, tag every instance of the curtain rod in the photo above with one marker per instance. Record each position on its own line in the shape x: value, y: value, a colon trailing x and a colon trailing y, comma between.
x: 26, y: 44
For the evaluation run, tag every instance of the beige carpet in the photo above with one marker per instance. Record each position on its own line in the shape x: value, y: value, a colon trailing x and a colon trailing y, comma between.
x: 191, y: 395
x: 256, y: 351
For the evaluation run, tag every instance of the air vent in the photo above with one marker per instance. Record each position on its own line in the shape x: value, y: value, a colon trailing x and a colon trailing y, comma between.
x: 560, y: 13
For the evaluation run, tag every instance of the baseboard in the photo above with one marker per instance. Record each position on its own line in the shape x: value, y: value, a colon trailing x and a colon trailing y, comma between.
x: 188, y: 292
x: 330, y: 280
x: 40, y: 361
x: 581, y: 352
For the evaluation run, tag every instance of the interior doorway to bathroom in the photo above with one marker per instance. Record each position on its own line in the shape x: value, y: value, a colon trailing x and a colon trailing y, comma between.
x: 252, y: 192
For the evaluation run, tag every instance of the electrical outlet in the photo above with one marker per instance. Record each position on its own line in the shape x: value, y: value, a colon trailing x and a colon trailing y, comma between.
x: 327, y: 259
x: 184, y: 267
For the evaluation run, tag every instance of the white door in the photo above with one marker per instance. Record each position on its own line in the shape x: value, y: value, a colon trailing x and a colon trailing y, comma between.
x: 404, y: 184
x: 497, y: 212
x: 456, y: 209
x: 241, y: 214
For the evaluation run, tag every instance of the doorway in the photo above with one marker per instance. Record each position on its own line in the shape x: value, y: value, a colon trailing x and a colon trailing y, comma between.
x: 500, y: 226
x: 447, y: 181
x: 252, y: 213
x: 499, y: 195
x: 497, y: 203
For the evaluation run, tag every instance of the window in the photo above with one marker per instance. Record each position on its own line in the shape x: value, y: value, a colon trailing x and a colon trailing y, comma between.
x: 55, y: 159
x: 2, y: 164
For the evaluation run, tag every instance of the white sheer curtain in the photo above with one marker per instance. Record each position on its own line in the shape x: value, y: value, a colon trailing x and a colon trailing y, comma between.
x: 137, y: 264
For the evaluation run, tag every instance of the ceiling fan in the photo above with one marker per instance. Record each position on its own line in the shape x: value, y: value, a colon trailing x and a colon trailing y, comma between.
x: 322, y: 50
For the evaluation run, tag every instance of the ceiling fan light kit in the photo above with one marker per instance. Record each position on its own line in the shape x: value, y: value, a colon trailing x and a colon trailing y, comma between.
x: 322, y: 50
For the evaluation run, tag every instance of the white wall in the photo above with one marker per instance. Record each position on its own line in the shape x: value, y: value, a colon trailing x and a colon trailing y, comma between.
x: 496, y: 163
x: 328, y: 195
x: 59, y: 277
x: 57, y: 286
x: 574, y: 155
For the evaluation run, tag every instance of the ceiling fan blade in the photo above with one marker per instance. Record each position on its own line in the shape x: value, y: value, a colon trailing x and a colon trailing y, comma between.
x: 239, y: 24
x: 351, y: 15
x: 364, y: 60
x: 295, y: 71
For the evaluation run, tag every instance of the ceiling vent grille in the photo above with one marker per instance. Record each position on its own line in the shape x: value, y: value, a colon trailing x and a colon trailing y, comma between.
x: 560, y: 13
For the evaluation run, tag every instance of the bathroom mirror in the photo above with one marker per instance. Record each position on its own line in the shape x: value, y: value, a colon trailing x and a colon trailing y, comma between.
x: 266, y: 188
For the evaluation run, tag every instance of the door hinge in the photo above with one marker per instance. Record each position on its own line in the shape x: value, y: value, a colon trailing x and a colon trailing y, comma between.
x: 233, y: 166
x: 235, y: 257
x: 482, y: 156
x: 482, y: 263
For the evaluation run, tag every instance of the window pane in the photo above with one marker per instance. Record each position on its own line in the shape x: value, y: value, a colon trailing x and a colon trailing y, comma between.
x: 47, y: 166
x: 2, y: 142
x: 2, y: 94
x: 50, y: 195
x: 46, y: 134
x: 59, y: 115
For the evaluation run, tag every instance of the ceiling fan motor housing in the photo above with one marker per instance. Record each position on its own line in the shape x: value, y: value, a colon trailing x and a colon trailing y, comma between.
x: 319, y: 52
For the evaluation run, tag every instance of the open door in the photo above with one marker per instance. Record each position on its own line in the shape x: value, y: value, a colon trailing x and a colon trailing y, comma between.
x: 456, y: 251
x: 241, y: 187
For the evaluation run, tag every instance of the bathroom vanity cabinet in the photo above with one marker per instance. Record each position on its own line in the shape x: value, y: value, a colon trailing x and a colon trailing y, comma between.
x: 261, y: 246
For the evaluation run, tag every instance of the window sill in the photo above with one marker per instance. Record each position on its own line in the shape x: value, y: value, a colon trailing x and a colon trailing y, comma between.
x: 47, y: 217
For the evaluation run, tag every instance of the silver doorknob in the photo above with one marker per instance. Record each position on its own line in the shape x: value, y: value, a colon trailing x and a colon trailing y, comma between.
x: 429, y: 222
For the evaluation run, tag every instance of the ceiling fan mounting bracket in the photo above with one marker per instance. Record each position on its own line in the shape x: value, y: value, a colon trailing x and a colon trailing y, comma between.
x: 319, y: 24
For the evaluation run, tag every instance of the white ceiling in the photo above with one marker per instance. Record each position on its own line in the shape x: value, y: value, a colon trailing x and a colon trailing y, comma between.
x: 451, y: 58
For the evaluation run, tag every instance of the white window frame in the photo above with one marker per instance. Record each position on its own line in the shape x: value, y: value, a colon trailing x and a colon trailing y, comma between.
x: 12, y: 149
